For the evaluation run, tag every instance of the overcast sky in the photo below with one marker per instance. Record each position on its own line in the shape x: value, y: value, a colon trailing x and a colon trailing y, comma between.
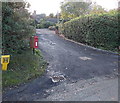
x: 53, y: 6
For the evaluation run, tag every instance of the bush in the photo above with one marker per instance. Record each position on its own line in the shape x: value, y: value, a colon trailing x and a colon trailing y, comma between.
x: 100, y: 31
x: 16, y: 27
x: 44, y: 24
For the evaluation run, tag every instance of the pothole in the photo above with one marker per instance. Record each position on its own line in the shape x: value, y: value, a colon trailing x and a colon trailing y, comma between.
x: 56, y: 79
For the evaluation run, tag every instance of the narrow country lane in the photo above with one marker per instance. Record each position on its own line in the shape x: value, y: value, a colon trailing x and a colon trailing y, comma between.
x: 83, y: 73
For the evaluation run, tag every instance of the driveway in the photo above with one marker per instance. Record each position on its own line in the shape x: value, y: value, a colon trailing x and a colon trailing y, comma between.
x: 75, y: 73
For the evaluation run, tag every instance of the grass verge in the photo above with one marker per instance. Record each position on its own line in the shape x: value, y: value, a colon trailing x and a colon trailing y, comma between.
x: 22, y: 68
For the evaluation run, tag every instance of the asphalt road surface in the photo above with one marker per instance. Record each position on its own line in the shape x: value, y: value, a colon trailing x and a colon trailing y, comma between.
x: 75, y: 73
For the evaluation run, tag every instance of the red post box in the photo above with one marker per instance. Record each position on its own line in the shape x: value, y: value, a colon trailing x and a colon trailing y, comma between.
x: 34, y: 42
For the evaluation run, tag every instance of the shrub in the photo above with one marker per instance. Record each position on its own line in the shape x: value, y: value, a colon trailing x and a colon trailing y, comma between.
x: 44, y: 24
x: 16, y: 27
x: 96, y: 30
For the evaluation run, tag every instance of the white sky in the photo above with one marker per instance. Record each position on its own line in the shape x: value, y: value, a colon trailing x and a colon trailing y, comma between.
x: 53, y: 6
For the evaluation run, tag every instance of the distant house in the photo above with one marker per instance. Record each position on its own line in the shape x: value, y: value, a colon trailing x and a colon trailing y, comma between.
x: 39, y: 17
x: 52, y: 20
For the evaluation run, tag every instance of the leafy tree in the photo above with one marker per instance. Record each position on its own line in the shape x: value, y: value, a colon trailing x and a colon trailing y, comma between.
x: 97, y: 9
x: 113, y: 11
x: 16, y: 28
x: 71, y: 10
x: 51, y: 15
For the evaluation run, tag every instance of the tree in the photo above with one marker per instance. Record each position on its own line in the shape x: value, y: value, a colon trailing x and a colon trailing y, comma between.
x: 16, y: 28
x: 97, y: 9
x: 71, y: 10
x: 51, y: 15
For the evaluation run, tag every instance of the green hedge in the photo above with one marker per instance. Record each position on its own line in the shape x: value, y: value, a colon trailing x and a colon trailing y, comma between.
x: 44, y: 24
x: 100, y: 31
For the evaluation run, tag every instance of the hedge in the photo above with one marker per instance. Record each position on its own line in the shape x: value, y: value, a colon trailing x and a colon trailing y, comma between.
x: 99, y: 31
x: 44, y: 24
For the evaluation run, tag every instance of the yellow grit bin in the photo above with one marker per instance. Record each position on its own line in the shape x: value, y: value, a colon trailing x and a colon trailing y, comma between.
x: 5, y: 59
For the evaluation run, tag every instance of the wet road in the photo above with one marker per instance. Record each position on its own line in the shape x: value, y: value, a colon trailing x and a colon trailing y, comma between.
x: 86, y: 73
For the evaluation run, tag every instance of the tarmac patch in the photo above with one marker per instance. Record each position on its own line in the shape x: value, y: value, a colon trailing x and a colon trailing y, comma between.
x: 85, y: 58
